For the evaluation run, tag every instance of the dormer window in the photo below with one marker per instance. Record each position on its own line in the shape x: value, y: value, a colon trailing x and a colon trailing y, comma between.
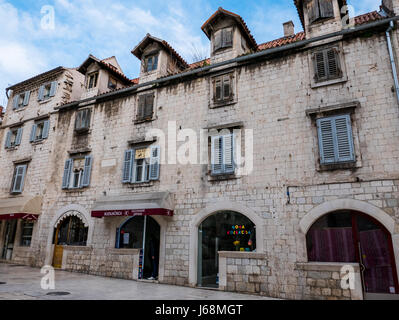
x: 151, y: 63
x: 112, y: 83
x: 92, y: 80
x: 223, y: 39
x: 320, y: 10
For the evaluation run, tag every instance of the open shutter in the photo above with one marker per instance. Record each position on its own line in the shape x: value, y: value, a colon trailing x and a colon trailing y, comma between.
x: 128, y: 166
x: 154, y: 162
x: 33, y: 133
x: 8, y: 139
x: 41, y: 93
x: 217, y: 154
x: 46, y: 128
x: 228, y: 153
x: 87, y: 171
x: 226, y: 87
x: 67, y: 173
x: 326, y: 9
x: 53, y: 88
x: 345, y: 149
x: 217, y: 40
x: 19, y: 179
x: 26, y: 98
x: 19, y: 137
x: 15, y: 102
x: 325, y: 128
x: 320, y: 66
x: 333, y: 64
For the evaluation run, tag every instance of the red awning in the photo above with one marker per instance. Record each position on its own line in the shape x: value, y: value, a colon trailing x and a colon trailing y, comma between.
x: 140, y: 204
x: 23, y: 216
x: 26, y: 208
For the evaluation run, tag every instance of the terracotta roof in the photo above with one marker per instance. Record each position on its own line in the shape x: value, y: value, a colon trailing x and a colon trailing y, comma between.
x: 200, y: 64
x: 282, y: 41
x: 240, y: 21
x: 114, y: 70
x: 137, y: 51
x: 368, y: 17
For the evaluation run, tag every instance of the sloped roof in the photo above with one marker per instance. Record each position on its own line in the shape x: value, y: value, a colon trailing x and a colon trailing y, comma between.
x: 138, y: 50
x: 240, y: 21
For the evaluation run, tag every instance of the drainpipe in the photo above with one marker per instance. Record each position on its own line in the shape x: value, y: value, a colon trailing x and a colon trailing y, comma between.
x: 391, y: 56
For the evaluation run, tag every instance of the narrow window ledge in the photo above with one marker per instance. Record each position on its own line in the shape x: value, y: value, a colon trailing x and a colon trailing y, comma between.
x: 34, y: 143
x: 145, y: 184
x: 12, y: 148
x: 79, y: 151
x: 20, y: 109
x: 82, y: 131
x: 144, y: 120
x: 329, y: 82
x: 24, y: 160
x: 45, y: 100
x: 216, y: 105
x: 350, y: 106
x: 338, y: 166
x: 72, y: 190
x: 222, y: 177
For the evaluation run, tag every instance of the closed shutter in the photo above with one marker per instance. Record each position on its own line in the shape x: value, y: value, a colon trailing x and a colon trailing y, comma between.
x: 227, y: 38
x: 141, y: 107
x: 228, y: 153
x: 155, y: 162
x: 313, y: 11
x: 8, y: 139
x: 67, y: 173
x: 41, y: 93
x: 15, y: 102
x: 78, y: 121
x: 33, y: 133
x: 218, y: 90
x: 87, y: 171
x: 46, y: 128
x: 333, y: 65
x: 26, y: 98
x: 217, y: 40
x: 326, y: 9
x: 345, y: 149
x: 335, y: 139
x: 86, y: 119
x: 149, y: 105
x: 128, y: 166
x: 226, y: 87
x: 19, y: 179
x: 217, y: 154
x: 53, y: 88
x: 19, y: 137
x: 320, y: 66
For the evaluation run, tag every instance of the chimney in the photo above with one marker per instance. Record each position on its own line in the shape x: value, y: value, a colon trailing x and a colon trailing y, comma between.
x: 289, y: 29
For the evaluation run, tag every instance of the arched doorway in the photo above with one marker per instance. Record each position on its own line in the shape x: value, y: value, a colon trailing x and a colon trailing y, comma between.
x: 222, y: 231
x: 351, y: 236
x: 70, y: 231
x: 142, y: 232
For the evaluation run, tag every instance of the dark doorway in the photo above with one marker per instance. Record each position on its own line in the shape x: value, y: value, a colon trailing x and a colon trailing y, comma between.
x: 142, y: 232
x: 9, y: 238
x: 223, y: 231
x: 348, y: 236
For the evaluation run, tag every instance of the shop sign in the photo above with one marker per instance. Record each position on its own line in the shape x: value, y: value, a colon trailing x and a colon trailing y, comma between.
x: 238, y: 230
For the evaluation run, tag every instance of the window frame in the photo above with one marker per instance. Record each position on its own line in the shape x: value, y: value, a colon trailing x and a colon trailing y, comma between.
x: 224, y: 43
x: 44, y: 124
x: 69, y: 173
x: 24, y: 236
x: 14, y: 137
x: 80, y: 125
x: 150, y: 162
x: 14, y: 190
x: 154, y: 62
x: 222, y: 155
x: 141, y: 115
x: 93, y: 75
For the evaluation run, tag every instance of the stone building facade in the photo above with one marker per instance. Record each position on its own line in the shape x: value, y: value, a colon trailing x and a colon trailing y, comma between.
x: 314, y: 115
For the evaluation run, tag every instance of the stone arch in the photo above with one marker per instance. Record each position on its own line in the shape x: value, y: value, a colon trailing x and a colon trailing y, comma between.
x: 347, y: 204
x: 207, y: 212
x: 61, y: 214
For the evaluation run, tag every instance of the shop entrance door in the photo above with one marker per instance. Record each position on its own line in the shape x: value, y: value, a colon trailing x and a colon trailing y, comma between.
x: 9, y: 238
x: 223, y: 231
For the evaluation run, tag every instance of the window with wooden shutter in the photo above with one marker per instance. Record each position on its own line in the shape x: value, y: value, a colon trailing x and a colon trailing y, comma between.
x: 18, y: 179
x: 145, y: 109
x: 222, y: 154
x: 151, y: 63
x: 82, y: 122
x: 128, y: 166
x: 223, y: 39
x: 223, y: 88
x: 320, y: 9
x: 335, y: 139
x: 327, y: 64
x: 217, y: 41
x: 87, y: 171
x: 40, y: 130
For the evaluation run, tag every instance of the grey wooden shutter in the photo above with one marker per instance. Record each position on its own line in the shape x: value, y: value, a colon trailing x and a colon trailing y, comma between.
x: 320, y: 66
x: 33, y: 133
x: 117, y: 238
x: 19, y: 136
x: 15, y: 102
x: 78, y: 121
x: 227, y: 37
x: 8, y: 139
x: 325, y: 128
x: 217, y: 154
x: 218, y: 89
x: 345, y: 148
x: 41, y: 93
x: 226, y: 87
x: 26, y: 98
x: 155, y: 162
x: 326, y: 8
x: 87, y: 171
x: 228, y: 153
x: 19, y: 179
x: 155, y: 62
x: 67, y: 173
x: 53, y: 88
x: 313, y: 11
x: 141, y: 107
x: 149, y: 105
x: 217, y: 40
x: 46, y: 128
x: 87, y: 118
x: 128, y: 166
x: 333, y: 65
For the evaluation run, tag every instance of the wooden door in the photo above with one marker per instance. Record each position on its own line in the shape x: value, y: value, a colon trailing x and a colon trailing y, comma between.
x: 58, y: 252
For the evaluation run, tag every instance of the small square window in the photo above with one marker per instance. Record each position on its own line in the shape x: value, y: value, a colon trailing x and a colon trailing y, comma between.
x: 82, y: 122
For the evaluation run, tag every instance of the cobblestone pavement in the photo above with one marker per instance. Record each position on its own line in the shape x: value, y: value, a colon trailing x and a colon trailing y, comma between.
x: 23, y: 283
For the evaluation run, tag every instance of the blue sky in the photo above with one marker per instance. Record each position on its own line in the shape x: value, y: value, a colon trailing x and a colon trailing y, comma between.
x: 113, y: 27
